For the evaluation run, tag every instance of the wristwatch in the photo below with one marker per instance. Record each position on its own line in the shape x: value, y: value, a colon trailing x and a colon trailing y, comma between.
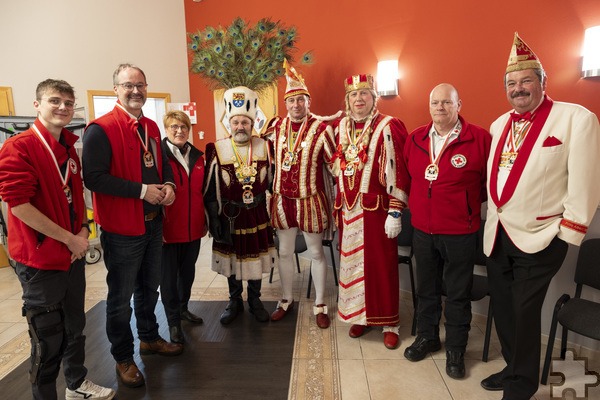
x: 395, y: 214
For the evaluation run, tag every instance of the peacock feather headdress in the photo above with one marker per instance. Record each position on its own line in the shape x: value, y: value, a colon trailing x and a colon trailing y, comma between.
x: 243, y: 55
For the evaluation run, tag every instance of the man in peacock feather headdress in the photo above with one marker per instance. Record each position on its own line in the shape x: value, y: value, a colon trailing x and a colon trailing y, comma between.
x: 302, y: 187
x: 238, y: 174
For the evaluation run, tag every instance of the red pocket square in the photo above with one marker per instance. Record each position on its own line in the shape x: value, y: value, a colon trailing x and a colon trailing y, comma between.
x: 551, y: 141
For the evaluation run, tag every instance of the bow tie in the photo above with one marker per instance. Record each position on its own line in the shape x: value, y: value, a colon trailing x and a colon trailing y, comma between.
x: 516, y: 117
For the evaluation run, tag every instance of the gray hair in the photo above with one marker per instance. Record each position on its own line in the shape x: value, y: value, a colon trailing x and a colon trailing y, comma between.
x: 123, y: 67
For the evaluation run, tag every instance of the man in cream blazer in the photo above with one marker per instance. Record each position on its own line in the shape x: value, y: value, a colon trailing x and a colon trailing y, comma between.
x: 543, y: 190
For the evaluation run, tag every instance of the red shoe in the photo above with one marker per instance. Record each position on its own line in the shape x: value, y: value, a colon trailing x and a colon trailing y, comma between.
x: 357, y: 331
x: 322, y: 318
x: 390, y: 340
x: 283, y: 308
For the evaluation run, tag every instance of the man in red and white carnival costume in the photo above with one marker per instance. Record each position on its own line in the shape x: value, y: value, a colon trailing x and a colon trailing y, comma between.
x: 372, y: 192
x: 543, y: 191
x: 301, y: 191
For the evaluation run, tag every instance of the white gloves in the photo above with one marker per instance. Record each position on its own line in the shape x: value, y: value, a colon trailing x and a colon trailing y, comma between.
x: 393, y: 226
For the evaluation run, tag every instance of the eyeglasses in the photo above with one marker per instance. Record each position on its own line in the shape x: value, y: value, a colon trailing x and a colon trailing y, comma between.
x: 55, y: 102
x: 129, y: 86
x: 175, y: 128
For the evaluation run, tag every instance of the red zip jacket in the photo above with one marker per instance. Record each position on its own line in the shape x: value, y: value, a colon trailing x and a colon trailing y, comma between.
x: 184, y: 219
x: 28, y: 175
x: 452, y: 203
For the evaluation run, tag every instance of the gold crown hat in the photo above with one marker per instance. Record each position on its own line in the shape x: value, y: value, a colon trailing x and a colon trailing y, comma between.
x: 295, y: 82
x: 362, y: 81
x: 240, y: 101
x: 521, y: 57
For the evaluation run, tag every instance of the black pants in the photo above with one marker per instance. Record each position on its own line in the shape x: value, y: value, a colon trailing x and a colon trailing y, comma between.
x: 178, y: 274
x: 46, y: 288
x: 448, y: 260
x: 236, y: 288
x: 518, y: 285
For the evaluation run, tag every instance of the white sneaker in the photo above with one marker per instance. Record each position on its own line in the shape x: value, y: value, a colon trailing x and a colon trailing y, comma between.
x: 90, y: 391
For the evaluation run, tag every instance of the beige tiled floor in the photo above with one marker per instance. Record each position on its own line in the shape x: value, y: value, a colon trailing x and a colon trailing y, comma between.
x: 328, y: 364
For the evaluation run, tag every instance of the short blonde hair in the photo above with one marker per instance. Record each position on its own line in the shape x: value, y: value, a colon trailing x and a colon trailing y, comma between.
x: 178, y: 116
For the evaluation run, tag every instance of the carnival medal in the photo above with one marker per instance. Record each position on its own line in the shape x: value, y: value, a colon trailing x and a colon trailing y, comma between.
x: 431, y: 172
x: 148, y: 159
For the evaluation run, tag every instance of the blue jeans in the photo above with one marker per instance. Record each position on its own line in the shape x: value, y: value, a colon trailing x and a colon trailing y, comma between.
x: 134, y: 268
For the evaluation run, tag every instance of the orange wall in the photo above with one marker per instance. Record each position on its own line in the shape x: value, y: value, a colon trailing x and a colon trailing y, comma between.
x: 465, y: 43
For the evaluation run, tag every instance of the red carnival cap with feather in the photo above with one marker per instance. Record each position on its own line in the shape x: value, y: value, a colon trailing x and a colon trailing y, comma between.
x: 295, y: 82
x: 355, y: 82
x: 522, y: 57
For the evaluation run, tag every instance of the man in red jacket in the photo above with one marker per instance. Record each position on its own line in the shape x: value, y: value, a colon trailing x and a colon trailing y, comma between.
x: 446, y: 160
x: 40, y: 180
x: 124, y: 166
x: 183, y: 225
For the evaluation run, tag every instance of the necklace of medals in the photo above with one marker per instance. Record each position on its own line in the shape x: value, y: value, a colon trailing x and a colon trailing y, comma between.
x: 432, y: 171
x: 517, y: 135
x: 354, y: 147
x: 291, y: 155
x: 71, y: 167
x: 245, y: 171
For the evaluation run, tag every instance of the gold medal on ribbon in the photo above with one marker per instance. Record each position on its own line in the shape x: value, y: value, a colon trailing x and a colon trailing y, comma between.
x: 287, y: 163
x: 351, y: 152
x: 68, y: 193
x: 292, y: 156
x: 507, y: 159
x: 245, y: 171
x: 431, y: 172
x: 247, y: 196
x: 349, y: 171
x: 148, y: 159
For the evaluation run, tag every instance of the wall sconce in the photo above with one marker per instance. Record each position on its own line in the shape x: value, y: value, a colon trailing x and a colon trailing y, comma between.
x: 591, y: 53
x: 387, y: 78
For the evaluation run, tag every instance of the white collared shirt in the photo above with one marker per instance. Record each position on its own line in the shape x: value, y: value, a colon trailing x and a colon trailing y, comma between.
x: 438, y: 140
x: 184, y: 159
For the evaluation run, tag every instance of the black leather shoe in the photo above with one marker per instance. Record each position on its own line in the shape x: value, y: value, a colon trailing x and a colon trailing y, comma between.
x: 493, y: 382
x: 234, y: 307
x: 258, y: 309
x: 421, y: 347
x: 188, y: 316
x: 455, y: 364
x: 176, y: 334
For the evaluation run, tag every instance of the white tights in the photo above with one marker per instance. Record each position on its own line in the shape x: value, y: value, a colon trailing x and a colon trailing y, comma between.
x: 287, y: 244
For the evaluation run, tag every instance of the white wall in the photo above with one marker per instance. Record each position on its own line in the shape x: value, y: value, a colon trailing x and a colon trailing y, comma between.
x: 83, y: 41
